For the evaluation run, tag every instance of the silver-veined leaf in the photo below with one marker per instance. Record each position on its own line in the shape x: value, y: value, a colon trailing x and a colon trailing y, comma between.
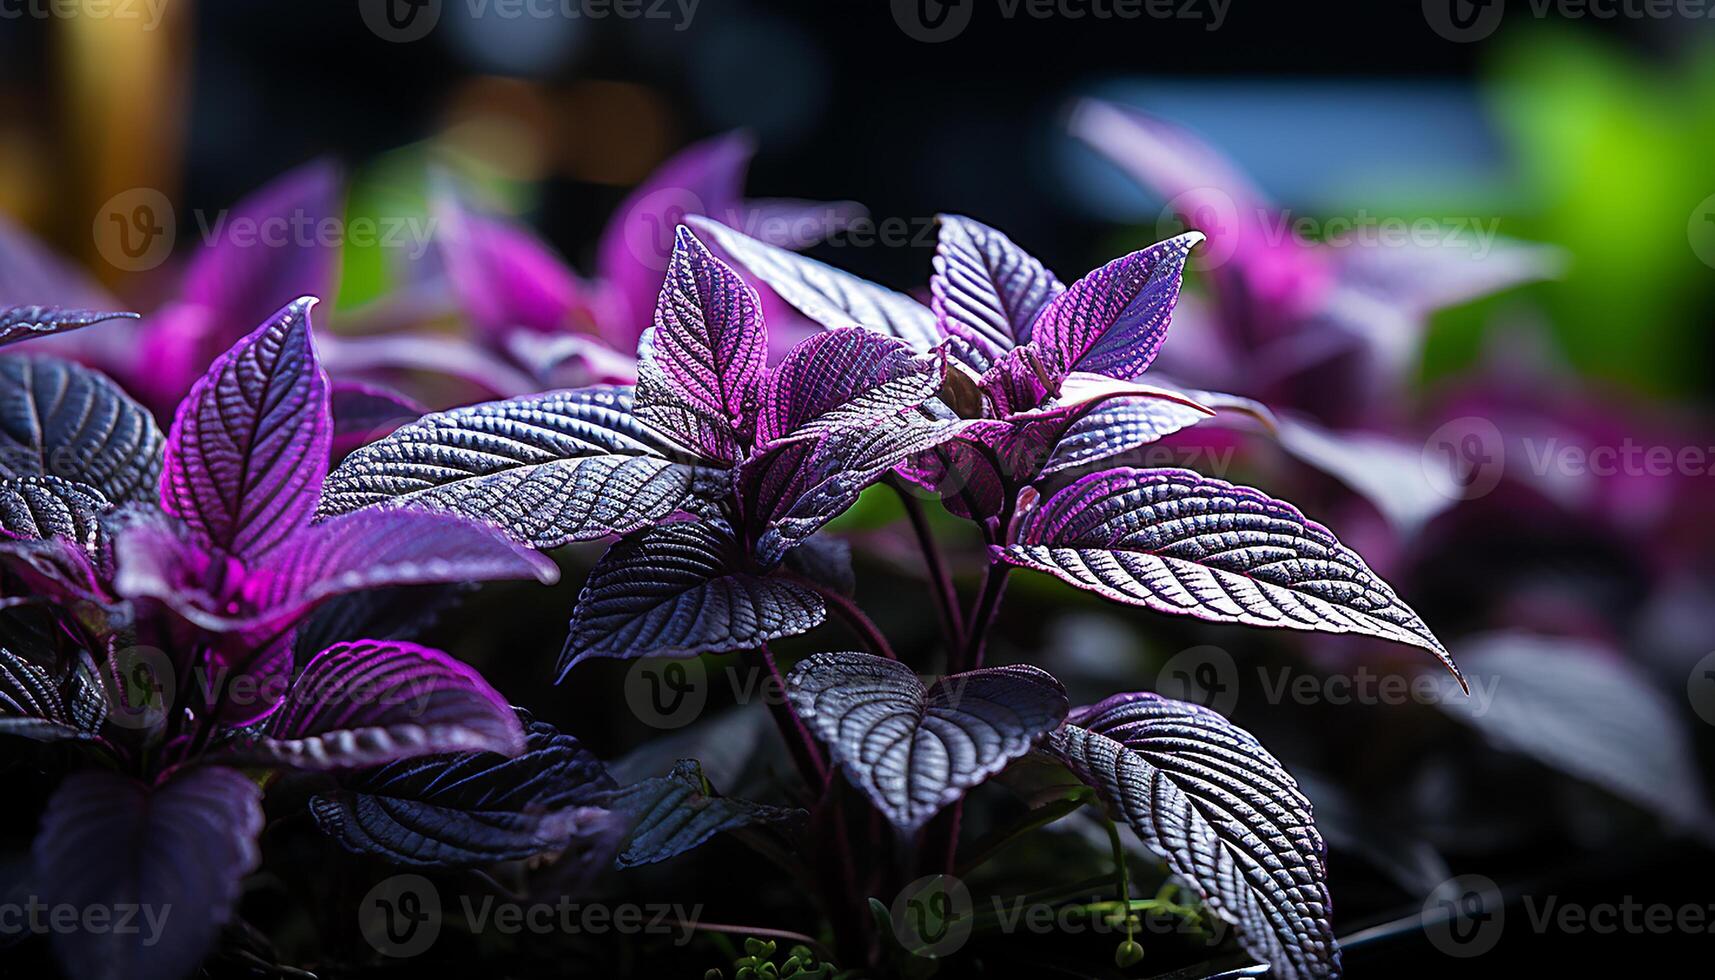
x: 18, y: 323
x: 1179, y: 542
x: 672, y: 814
x: 681, y: 590
x: 64, y: 420
x: 914, y: 749
x: 552, y: 468
x: 1224, y: 814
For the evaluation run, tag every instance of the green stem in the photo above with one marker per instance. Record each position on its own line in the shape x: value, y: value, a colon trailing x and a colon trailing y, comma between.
x: 1123, y: 873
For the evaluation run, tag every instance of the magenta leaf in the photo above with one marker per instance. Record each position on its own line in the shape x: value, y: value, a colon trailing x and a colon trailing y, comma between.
x: 177, y: 851
x: 563, y: 466
x: 843, y: 379
x: 38, y: 507
x: 1119, y: 426
x: 248, y: 449
x: 505, y: 277
x: 474, y: 808
x: 825, y: 294
x: 269, y: 249
x: 364, y: 412
x: 987, y: 286
x: 23, y: 322
x: 1178, y: 542
x: 672, y: 814
x: 64, y: 420
x: 50, y: 702
x: 365, y: 550
x: 1113, y: 320
x: 915, y: 749
x: 680, y: 590
x: 700, y: 367
x: 367, y: 703
x: 1224, y: 814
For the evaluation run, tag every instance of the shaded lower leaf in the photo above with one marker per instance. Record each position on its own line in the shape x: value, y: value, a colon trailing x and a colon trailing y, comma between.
x: 46, y: 704
x: 912, y: 749
x: 366, y: 703
x: 177, y: 851
x: 681, y: 590
x: 472, y: 809
x: 36, y: 507
x: 1227, y: 818
x: 672, y: 814
x: 65, y: 420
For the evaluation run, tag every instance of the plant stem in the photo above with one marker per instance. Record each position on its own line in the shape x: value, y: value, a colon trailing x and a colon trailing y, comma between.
x: 1123, y: 872
x: 982, y: 616
x: 998, y: 840
x: 941, y: 581
x: 798, y: 739
x: 846, y: 609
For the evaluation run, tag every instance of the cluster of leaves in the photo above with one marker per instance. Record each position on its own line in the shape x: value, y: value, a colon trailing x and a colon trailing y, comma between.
x: 191, y: 578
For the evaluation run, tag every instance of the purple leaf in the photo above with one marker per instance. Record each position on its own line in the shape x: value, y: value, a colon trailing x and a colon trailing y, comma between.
x: 364, y: 412
x: 1223, y: 813
x: 825, y: 294
x: 422, y: 352
x: 368, y: 702
x: 473, y: 809
x: 700, y: 367
x: 50, y: 704
x: 681, y: 590
x: 795, y: 487
x: 63, y: 420
x: 505, y: 277
x: 564, y: 466
x: 365, y: 550
x: 824, y: 560
x: 1178, y: 542
x: 911, y: 749
x: 37, y: 507
x: 24, y: 322
x: 1119, y: 426
x: 1584, y: 710
x: 1113, y: 320
x: 705, y: 178
x: 672, y: 814
x: 177, y: 851
x: 986, y: 286
x: 248, y: 449
x: 843, y: 379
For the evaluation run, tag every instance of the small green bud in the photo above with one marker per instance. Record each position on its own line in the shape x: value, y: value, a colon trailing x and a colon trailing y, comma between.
x: 1128, y: 953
